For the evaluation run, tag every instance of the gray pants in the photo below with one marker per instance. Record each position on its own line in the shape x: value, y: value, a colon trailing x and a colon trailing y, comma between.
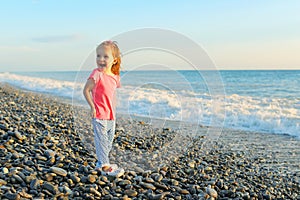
x: 104, y: 132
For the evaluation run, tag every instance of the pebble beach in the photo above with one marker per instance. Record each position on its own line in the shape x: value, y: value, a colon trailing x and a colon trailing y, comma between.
x: 46, y: 152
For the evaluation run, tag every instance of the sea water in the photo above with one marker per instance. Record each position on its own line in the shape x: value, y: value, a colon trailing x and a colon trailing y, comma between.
x: 253, y: 100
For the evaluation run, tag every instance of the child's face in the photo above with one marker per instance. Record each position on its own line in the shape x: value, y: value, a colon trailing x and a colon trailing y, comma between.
x: 105, y: 57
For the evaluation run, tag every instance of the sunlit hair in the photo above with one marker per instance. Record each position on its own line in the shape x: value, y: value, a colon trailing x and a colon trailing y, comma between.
x: 115, y: 69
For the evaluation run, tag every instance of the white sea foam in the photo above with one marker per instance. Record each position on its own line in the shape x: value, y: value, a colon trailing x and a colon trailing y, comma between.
x: 271, y: 115
x: 277, y: 115
x: 43, y: 85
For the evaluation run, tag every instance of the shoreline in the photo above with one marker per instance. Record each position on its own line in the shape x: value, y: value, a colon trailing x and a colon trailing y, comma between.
x: 162, y: 161
x: 167, y: 122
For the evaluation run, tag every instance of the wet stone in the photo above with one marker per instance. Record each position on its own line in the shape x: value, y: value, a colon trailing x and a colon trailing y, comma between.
x: 34, y: 184
x: 95, y: 192
x: 25, y: 195
x: 148, y: 186
x: 50, y: 187
x: 149, y: 180
x: 75, y: 178
x: 12, y: 196
x: 43, y: 158
x: 91, y: 178
x: 184, y: 191
x: 50, y: 153
x: 158, y: 196
x: 130, y: 193
x: 17, y: 178
x: 174, y: 182
x: 139, y: 170
x: 18, y: 135
x: 124, y: 182
x: 59, y: 171
x: 4, y: 127
x: 211, y: 192
x: 5, y: 170
x: 2, y: 182
x: 158, y: 178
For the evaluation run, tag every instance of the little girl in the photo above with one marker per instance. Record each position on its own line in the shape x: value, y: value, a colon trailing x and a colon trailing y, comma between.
x: 99, y: 92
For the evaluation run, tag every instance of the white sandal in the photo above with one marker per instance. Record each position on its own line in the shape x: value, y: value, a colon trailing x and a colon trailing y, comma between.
x: 116, y: 173
x: 112, y: 171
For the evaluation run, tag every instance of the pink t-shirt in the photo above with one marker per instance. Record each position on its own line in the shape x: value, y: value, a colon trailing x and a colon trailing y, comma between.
x: 104, y: 94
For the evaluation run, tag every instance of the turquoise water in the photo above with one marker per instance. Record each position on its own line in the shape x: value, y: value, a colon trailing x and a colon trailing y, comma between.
x: 255, y: 83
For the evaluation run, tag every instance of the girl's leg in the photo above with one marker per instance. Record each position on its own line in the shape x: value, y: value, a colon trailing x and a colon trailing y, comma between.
x: 102, y: 141
x: 104, y: 136
x: 111, y: 133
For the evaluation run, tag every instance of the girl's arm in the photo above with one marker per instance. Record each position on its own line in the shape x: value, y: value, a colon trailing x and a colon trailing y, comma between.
x: 87, y: 92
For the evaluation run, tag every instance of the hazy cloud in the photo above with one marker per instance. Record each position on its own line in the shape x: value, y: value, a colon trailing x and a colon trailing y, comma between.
x: 57, y: 38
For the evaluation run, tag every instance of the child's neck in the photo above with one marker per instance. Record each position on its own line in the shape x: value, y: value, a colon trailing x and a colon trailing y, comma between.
x: 108, y: 71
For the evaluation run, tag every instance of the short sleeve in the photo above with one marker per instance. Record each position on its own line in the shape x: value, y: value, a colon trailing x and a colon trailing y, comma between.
x: 95, y: 75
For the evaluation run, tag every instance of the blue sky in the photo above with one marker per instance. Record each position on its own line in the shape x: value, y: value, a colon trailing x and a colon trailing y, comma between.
x: 51, y: 35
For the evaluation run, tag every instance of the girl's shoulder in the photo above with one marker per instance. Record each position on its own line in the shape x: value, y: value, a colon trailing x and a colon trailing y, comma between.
x: 96, y: 70
x: 96, y: 75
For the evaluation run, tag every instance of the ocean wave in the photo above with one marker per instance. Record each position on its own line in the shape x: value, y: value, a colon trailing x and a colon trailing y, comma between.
x: 262, y: 114
x: 276, y: 115
x: 43, y: 85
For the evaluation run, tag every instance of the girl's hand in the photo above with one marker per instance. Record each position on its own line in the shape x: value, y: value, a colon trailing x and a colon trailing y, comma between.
x: 93, y: 113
